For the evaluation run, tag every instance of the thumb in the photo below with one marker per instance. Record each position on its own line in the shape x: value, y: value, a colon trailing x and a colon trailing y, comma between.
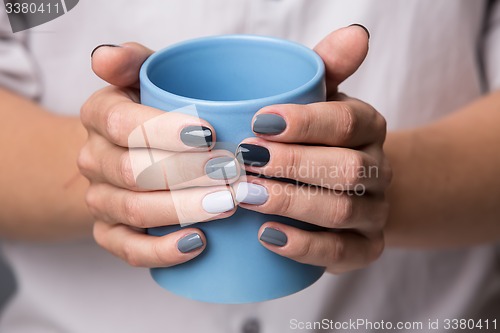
x: 343, y: 51
x: 119, y: 65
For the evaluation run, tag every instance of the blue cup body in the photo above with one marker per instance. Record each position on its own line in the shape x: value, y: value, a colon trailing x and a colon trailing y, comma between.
x: 228, y: 79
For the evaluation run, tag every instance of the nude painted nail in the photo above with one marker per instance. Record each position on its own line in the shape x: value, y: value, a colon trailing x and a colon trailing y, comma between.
x: 252, y: 194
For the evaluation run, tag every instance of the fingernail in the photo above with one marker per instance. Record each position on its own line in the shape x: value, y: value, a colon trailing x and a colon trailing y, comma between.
x: 221, y: 168
x: 274, y: 237
x: 252, y: 194
x: 363, y: 27
x: 190, y: 243
x: 102, y: 45
x: 253, y: 155
x: 196, y: 136
x: 269, y: 123
x: 218, y: 202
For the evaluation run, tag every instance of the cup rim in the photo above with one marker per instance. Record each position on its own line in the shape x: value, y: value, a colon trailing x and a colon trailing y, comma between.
x: 145, y: 81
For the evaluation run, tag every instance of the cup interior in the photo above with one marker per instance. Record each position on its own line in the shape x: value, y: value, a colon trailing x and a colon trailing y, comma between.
x: 233, y: 68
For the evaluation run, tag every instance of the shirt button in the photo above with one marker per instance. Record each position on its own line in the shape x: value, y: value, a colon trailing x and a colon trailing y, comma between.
x: 251, y: 326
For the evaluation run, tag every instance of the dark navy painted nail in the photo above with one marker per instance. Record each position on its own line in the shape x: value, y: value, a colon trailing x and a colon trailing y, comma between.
x: 190, y: 243
x: 103, y: 45
x: 197, y: 136
x: 363, y: 27
x: 253, y: 155
x: 269, y: 123
x: 274, y: 237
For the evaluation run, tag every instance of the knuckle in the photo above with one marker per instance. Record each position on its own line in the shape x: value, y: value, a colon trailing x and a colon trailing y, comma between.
x: 132, y: 211
x: 354, y: 164
x: 161, y: 256
x: 92, y: 201
x: 348, y: 122
x: 180, y: 175
x: 285, y: 204
x: 86, y: 110
x: 303, y: 250
x: 342, y: 212
x: 98, y: 236
x: 338, y: 252
x: 308, y: 128
x: 84, y: 113
x: 113, y: 122
x: 294, y: 162
x: 85, y: 161
x: 129, y: 254
x: 182, y: 210
x: 125, y: 171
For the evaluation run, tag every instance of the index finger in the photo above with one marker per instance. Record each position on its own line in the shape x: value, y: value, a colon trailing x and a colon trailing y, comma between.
x: 347, y: 123
x: 113, y: 114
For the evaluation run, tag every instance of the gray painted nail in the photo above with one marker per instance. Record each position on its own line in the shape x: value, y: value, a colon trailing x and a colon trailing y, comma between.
x: 269, y: 124
x: 221, y: 168
x: 274, y: 237
x: 190, y: 243
x: 197, y: 136
x: 252, y: 194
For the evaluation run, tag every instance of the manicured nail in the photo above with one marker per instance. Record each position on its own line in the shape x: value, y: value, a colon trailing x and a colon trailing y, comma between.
x: 363, y: 27
x: 190, y: 243
x: 103, y: 45
x: 253, y: 155
x: 274, y: 237
x: 196, y: 136
x: 218, y: 202
x: 252, y: 194
x: 269, y: 124
x: 221, y: 168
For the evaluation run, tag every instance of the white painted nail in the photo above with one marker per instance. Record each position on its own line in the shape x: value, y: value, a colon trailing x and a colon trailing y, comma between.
x: 218, y: 202
x: 252, y: 194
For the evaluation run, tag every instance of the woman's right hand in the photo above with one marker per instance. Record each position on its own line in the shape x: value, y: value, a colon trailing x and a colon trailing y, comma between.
x: 136, y: 155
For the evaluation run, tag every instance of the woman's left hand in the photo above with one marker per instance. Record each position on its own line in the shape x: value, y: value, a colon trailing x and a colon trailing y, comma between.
x: 334, y: 152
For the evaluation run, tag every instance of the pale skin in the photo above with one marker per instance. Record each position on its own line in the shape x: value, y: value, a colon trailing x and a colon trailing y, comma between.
x: 444, y: 189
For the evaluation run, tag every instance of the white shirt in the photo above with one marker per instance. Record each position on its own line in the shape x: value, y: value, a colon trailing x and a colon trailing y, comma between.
x: 427, y: 58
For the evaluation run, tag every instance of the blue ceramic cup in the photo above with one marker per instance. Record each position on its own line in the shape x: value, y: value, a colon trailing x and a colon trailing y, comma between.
x: 228, y: 79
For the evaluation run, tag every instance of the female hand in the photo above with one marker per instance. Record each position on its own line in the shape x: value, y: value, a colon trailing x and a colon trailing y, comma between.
x: 333, y: 150
x: 135, y: 155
